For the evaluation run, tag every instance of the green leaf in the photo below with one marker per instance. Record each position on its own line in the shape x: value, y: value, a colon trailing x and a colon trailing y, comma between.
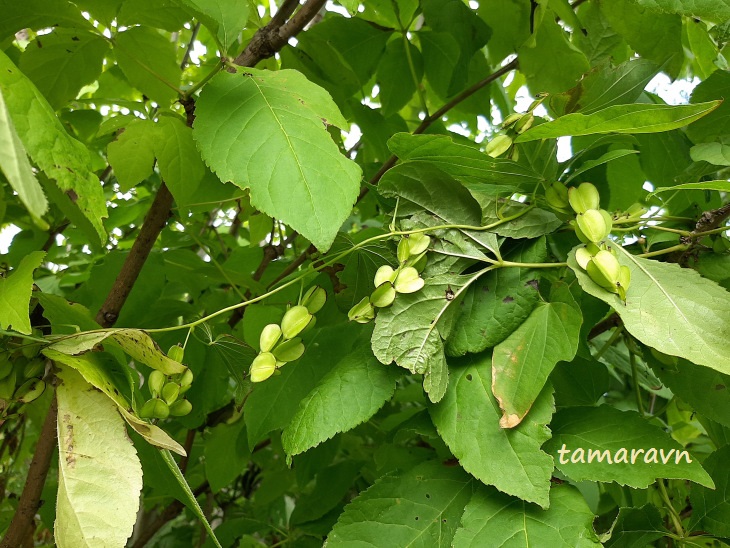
x: 712, y: 10
x: 38, y: 14
x: 273, y: 403
x: 636, y: 118
x: 552, y: 64
x: 496, y: 304
x: 522, y: 363
x: 654, y: 36
x: 464, y: 163
x: 412, y: 330
x: 637, y: 527
x: 711, y: 507
x: 418, y: 508
x: 95, y: 453
x: 717, y: 153
x: 17, y: 169
x: 495, y: 519
x: 96, y: 373
x: 267, y: 131
x: 158, y: 75
x: 349, y: 394
x: 225, y: 18
x: 62, y: 62
x: 605, y: 444
x: 396, y: 87
x: 440, y: 56
x: 56, y: 153
x: 722, y: 186
x: 15, y: 292
x: 717, y: 124
x: 670, y: 308
x: 162, y: 14
x: 178, y: 159
x: 603, y: 159
x: 132, y: 153
x: 226, y: 454
x: 468, y: 421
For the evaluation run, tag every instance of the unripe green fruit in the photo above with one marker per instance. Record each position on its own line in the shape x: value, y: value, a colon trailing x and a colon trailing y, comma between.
x: 578, y: 232
x: 6, y: 366
x: 511, y: 119
x: 418, y: 262
x: 170, y: 392
x: 156, y: 381
x: 30, y: 390
x: 583, y: 257
x: 314, y: 299
x: 383, y: 296
x: 624, y: 280
x: 263, y: 367
x: 34, y: 368
x: 289, y: 351
x: 584, y: 197
x: 408, y: 281
x: 404, y: 251
x: 186, y: 379
x: 176, y: 353
x: 294, y: 321
x: 604, y: 269
x: 384, y: 274
x: 362, y: 312
x: 593, y: 225
x: 418, y: 243
x: 524, y: 123
x: 270, y: 335
x: 7, y: 385
x: 181, y: 408
x: 498, y: 146
x: 154, y: 409
x: 556, y: 196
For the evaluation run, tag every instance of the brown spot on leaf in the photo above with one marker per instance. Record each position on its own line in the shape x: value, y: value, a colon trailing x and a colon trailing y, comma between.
x: 720, y: 387
x: 532, y: 283
x: 507, y: 299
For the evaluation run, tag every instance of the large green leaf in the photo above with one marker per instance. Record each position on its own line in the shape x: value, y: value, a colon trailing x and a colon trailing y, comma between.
x: 717, y: 124
x: 15, y: 291
x: 636, y: 118
x: 711, y: 507
x: 178, y: 159
x: 396, y: 89
x: 226, y: 18
x: 412, y: 330
x: 267, y: 131
x: 712, y: 10
x: 60, y: 156
x: 132, y: 153
x: 670, y: 308
x: 468, y: 421
x: 419, y: 508
x: 158, y: 75
x: 17, y: 169
x: 722, y: 186
x: 522, y: 363
x: 605, y: 444
x: 496, y: 304
x: 637, y: 527
x: 495, y: 519
x: 349, y: 394
x: 62, y: 62
x: 38, y: 14
x: 95, y: 454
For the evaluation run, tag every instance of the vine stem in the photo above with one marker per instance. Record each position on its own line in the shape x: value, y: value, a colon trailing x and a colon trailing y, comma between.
x: 676, y: 521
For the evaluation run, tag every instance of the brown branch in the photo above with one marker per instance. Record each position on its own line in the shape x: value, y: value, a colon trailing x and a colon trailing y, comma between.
x: 709, y: 220
x: 153, y: 225
x: 30, y: 497
x: 274, y: 36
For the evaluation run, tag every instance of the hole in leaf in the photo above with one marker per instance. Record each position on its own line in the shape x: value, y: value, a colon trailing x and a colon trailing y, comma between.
x: 469, y: 377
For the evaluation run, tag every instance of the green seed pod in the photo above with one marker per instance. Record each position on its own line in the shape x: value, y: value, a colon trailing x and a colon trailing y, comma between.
x: 6, y: 366
x: 148, y: 409
x: 524, y: 123
x: 181, y: 408
x: 288, y: 351
x: 593, y: 225
x: 294, y: 321
x: 30, y: 350
x: 404, y: 251
x: 384, y: 274
x: 598, y: 277
x: 418, y: 262
x: 608, y: 220
x: 263, y: 367
x: 162, y: 410
x: 511, y: 119
x: 584, y: 197
x: 578, y: 232
x: 156, y: 381
x: 624, y: 277
x: 583, y: 257
x: 383, y: 296
x: 270, y: 335
x: 186, y: 379
x: 605, y: 270
x: 34, y: 368
x: 498, y: 146
x: 30, y: 390
x: 170, y: 392
x: 408, y: 281
x: 314, y: 299
x: 176, y: 353
x: 418, y: 243
x: 7, y: 385
x: 556, y: 196
x: 362, y: 312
